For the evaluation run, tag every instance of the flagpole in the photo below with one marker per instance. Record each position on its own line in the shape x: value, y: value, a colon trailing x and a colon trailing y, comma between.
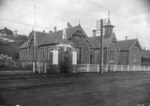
x: 35, y: 32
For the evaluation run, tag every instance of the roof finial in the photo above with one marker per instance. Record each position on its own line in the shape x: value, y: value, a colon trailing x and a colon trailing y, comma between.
x: 79, y: 22
x: 109, y: 18
x: 108, y: 14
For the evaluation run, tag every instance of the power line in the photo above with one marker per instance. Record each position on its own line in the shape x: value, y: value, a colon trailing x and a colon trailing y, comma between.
x: 22, y: 23
x: 112, y: 11
x: 46, y: 11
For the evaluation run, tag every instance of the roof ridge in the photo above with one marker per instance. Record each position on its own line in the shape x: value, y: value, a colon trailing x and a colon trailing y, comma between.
x: 126, y: 40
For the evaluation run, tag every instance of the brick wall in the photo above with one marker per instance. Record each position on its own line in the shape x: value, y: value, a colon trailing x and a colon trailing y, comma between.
x: 123, y: 58
x: 134, y: 50
x: 113, y: 47
x: 81, y: 42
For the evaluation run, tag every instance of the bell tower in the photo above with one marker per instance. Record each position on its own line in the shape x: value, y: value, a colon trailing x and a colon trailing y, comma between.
x: 108, y: 28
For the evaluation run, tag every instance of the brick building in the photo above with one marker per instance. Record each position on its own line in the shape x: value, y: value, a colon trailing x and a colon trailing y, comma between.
x: 75, y: 36
x: 130, y: 52
x: 110, y: 46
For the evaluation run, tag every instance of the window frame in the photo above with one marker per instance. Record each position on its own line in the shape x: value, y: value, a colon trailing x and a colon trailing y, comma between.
x: 112, y: 56
x: 135, y: 54
x: 79, y: 53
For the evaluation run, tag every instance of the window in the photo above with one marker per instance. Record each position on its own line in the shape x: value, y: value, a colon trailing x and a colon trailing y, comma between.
x: 79, y: 53
x: 112, y: 56
x: 42, y: 54
x: 135, y: 57
x: 91, y: 57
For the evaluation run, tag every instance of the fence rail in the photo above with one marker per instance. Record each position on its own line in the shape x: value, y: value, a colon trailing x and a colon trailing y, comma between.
x: 43, y: 66
x: 111, y: 68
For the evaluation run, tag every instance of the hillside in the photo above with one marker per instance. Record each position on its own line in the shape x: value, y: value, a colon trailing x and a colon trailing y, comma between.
x: 9, y: 50
x: 10, y: 42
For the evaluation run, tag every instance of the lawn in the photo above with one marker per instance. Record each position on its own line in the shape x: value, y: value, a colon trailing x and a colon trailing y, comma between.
x: 90, y: 89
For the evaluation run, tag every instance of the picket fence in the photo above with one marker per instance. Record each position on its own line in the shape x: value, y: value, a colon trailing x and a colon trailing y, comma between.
x: 110, y: 68
x: 43, y: 66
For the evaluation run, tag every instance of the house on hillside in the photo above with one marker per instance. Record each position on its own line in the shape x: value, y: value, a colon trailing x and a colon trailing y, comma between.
x: 64, y: 41
x: 130, y: 52
x: 110, y: 46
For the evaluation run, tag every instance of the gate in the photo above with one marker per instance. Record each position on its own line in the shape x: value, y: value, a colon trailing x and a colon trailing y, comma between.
x: 65, y: 61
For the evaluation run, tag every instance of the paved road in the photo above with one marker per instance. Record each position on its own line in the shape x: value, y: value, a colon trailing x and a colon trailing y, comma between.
x: 112, y: 89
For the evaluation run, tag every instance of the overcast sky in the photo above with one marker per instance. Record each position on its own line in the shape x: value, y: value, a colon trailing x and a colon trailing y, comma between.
x: 130, y: 17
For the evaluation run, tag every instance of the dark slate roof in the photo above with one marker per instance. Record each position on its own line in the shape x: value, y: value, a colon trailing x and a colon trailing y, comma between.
x: 55, y: 37
x: 25, y: 44
x: 97, y: 41
x: 39, y: 37
x: 126, y: 44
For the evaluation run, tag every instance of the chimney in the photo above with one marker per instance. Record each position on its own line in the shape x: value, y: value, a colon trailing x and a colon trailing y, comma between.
x: 43, y: 31
x: 50, y: 31
x: 126, y: 38
x: 68, y: 25
x: 94, y: 33
x: 55, y: 29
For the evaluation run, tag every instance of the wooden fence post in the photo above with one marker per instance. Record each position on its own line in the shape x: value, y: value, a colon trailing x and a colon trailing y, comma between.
x: 45, y: 71
x: 97, y: 67
x: 106, y: 68
x: 114, y: 68
x: 128, y: 68
x: 88, y: 68
x: 33, y: 67
x: 38, y: 65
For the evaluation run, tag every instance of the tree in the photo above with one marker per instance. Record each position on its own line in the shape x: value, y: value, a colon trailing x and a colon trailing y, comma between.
x: 8, y: 31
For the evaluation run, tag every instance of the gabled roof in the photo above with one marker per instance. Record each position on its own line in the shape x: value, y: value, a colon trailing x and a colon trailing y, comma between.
x: 39, y: 37
x: 57, y: 36
x: 127, y: 44
x: 106, y: 41
x: 25, y: 44
x: 54, y: 37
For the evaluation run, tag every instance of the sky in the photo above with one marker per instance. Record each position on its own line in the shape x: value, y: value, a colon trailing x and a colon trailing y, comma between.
x: 131, y: 18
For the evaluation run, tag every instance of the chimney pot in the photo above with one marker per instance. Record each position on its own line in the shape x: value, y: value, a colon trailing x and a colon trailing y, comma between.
x: 126, y: 37
x: 68, y: 25
x: 50, y: 31
x: 94, y: 33
x: 55, y: 29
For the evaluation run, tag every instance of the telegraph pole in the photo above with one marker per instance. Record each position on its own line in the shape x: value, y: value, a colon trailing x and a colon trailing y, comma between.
x: 101, y: 49
x: 34, y: 41
x: 100, y: 28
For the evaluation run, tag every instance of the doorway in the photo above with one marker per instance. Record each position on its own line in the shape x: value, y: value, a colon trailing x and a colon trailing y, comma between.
x: 65, y: 63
